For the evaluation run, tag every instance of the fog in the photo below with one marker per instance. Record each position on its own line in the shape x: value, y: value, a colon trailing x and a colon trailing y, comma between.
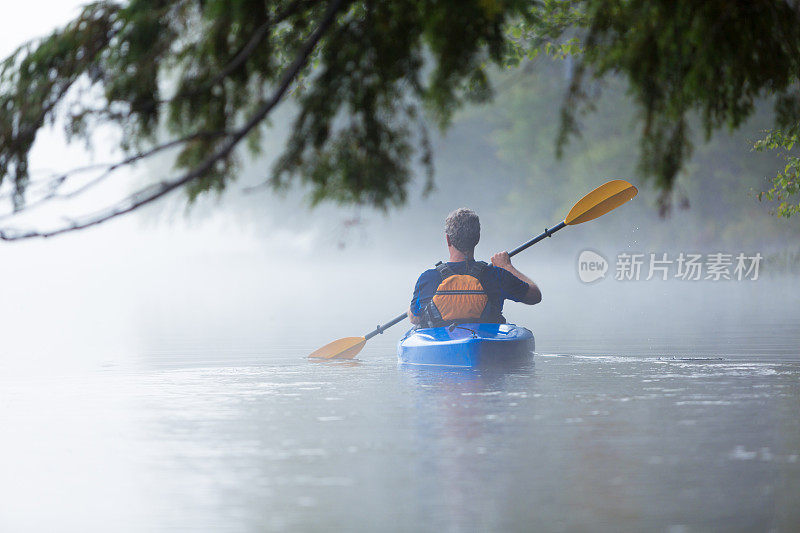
x: 246, y: 267
x: 153, y: 370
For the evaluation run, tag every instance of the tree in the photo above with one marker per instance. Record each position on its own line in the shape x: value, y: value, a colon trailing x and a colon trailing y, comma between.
x: 198, y: 77
x: 720, y: 180
x: 208, y: 73
x: 786, y: 183
x: 682, y: 59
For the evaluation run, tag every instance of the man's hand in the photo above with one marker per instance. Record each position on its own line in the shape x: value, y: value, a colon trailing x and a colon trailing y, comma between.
x: 501, y: 260
x: 534, y: 295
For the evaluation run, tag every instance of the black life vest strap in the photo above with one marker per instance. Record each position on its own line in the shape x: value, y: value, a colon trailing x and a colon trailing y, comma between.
x: 477, y: 268
x: 444, y: 270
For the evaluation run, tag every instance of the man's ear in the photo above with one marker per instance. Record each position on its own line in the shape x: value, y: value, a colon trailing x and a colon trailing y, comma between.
x: 447, y: 238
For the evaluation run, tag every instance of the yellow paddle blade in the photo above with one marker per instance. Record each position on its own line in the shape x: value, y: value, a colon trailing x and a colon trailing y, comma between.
x: 600, y: 201
x: 346, y: 348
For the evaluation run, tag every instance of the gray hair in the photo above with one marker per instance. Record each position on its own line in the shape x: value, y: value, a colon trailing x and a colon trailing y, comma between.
x: 464, y: 229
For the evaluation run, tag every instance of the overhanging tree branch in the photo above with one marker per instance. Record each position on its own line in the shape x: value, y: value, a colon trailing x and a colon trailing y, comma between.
x: 155, y: 191
x: 54, y: 184
x: 252, y: 44
x: 353, y: 139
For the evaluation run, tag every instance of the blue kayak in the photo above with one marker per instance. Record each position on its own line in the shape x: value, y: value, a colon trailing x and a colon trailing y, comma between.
x: 466, y: 345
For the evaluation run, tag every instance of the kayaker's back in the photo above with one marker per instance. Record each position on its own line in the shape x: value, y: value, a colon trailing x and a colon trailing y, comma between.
x: 466, y: 290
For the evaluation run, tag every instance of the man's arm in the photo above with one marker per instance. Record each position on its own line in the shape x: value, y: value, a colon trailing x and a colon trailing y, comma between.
x: 534, y: 295
x: 423, y: 292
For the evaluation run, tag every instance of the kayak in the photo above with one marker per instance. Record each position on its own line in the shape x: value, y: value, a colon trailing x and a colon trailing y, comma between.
x: 466, y: 345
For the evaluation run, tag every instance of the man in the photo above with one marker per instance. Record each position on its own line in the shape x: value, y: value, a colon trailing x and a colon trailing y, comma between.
x: 465, y: 290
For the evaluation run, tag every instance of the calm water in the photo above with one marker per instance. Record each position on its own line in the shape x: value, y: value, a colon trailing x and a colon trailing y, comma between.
x: 682, y: 416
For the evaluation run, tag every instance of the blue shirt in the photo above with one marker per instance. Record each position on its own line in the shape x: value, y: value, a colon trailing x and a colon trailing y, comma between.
x: 500, y: 285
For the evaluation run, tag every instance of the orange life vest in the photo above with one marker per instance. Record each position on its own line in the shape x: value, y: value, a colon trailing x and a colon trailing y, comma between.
x: 459, y: 298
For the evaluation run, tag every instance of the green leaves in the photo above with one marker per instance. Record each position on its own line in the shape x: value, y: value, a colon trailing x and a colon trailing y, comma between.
x: 36, y: 78
x: 681, y: 59
x: 545, y: 27
x: 785, y: 184
x: 199, y: 70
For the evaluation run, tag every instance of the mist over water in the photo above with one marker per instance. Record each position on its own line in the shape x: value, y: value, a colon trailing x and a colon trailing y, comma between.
x: 167, y: 387
x: 153, y: 371
x: 153, y: 376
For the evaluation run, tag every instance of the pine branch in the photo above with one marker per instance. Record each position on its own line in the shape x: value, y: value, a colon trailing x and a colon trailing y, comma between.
x: 155, y: 191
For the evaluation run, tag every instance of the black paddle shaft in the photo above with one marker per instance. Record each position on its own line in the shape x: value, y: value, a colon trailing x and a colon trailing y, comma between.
x: 381, y: 329
x: 547, y: 233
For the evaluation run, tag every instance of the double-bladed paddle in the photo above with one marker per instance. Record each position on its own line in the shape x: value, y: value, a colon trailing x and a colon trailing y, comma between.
x: 597, y: 203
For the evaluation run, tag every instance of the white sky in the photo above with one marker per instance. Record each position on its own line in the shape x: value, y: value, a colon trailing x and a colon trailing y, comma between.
x: 33, y: 18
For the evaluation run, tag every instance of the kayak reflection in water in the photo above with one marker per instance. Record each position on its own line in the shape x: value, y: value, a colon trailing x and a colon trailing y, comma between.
x: 464, y: 290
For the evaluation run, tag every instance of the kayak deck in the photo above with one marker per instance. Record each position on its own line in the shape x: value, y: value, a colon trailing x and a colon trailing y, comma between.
x: 466, y: 345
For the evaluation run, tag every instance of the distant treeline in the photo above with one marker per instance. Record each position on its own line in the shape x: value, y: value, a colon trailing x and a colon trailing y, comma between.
x: 511, y: 158
x: 500, y: 160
